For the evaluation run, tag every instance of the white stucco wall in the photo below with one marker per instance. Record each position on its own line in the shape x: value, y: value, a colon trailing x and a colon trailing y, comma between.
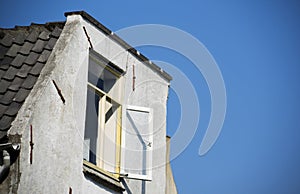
x: 58, y: 128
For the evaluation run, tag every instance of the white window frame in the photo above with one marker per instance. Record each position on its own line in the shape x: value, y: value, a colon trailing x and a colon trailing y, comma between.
x: 100, y: 60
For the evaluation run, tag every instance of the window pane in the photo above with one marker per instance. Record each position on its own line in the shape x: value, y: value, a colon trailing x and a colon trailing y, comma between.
x: 91, y: 124
x: 102, y: 115
x: 100, y: 76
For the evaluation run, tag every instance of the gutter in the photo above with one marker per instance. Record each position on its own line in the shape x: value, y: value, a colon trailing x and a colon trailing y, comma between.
x: 9, y: 153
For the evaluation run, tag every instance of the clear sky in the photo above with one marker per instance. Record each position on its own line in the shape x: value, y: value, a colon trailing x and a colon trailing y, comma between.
x: 257, y: 47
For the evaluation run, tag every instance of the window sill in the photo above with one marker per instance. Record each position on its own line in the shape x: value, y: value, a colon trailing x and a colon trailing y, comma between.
x: 101, y: 176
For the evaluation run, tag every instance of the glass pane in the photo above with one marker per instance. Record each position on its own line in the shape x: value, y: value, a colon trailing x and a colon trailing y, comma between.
x: 101, y: 77
x: 91, y: 125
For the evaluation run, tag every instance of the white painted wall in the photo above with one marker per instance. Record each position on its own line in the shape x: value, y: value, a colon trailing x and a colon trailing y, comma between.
x: 58, y: 128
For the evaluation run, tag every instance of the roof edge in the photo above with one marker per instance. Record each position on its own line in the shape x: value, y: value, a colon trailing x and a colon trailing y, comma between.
x: 121, y: 42
x: 47, y: 25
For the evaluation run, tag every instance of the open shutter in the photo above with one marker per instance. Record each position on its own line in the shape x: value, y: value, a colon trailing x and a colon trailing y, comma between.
x: 137, y: 142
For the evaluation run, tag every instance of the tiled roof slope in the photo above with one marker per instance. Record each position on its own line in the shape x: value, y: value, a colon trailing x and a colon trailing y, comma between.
x: 24, y: 50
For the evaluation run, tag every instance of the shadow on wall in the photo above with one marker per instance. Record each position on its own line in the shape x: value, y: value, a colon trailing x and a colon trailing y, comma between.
x: 128, y: 189
x: 126, y: 186
x: 103, y: 185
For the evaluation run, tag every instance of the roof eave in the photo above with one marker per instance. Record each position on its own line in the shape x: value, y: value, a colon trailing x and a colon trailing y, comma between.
x: 121, y: 42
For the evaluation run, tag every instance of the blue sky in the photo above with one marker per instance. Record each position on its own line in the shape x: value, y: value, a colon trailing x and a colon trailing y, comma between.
x: 257, y: 47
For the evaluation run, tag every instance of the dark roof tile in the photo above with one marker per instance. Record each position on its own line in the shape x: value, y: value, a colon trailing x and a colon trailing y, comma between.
x: 51, y: 43
x: 26, y: 48
x: 5, y: 62
x: 4, y: 66
x: 44, y: 35
x: 44, y: 56
x: 7, y: 98
x: 14, y: 49
x: 19, y: 39
x: 15, y: 85
x: 31, y: 59
x: 29, y: 82
x: 39, y: 45
x: 4, y: 85
x: 37, y: 68
x: 3, y: 108
x: 21, y: 95
x: 2, y: 72
x: 18, y: 61
x: 13, y: 109
x: 10, y: 73
x: 5, y: 122
x: 56, y: 32
x: 7, y: 40
x: 32, y: 37
x: 3, y: 136
x: 25, y: 69
x: 3, y: 51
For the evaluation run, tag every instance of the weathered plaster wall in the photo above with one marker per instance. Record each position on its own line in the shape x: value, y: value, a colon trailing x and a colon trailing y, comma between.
x: 92, y: 187
x: 58, y: 127
x: 151, y: 90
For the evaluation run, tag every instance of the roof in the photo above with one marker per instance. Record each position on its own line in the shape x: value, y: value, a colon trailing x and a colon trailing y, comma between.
x: 121, y: 42
x: 24, y: 50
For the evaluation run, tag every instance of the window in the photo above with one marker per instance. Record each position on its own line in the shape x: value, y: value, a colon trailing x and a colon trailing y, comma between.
x: 115, y: 145
x: 102, y: 137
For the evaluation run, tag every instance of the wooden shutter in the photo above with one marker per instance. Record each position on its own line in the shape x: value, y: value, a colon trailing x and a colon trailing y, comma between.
x: 137, y: 142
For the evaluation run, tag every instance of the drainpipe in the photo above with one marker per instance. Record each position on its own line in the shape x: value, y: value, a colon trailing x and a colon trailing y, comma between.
x: 6, y: 158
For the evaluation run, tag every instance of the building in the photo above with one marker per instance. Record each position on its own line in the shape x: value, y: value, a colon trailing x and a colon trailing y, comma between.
x: 81, y: 111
